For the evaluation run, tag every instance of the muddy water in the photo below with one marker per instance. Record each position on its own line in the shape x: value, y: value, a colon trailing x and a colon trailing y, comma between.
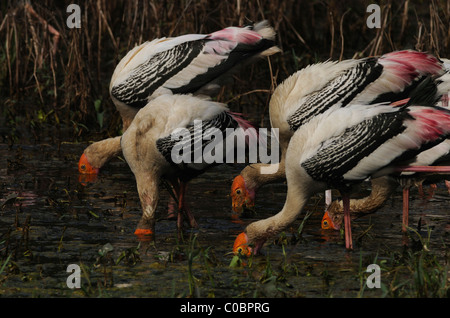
x: 48, y: 220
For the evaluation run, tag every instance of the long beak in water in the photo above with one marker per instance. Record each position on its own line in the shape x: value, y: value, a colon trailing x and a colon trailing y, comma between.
x: 144, y: 235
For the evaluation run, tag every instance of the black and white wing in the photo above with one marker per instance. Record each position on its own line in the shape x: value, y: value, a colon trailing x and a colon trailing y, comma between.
x: 337, y: 93
x: 204, y: 144
x: 187, y: 63
x: 389, y: 78
x: 389, y: 138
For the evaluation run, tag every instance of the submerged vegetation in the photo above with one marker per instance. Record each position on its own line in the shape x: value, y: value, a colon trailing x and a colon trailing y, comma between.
x: 54, y: 84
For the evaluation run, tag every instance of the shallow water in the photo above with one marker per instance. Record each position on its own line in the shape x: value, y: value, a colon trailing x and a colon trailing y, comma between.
x: 48, y: 220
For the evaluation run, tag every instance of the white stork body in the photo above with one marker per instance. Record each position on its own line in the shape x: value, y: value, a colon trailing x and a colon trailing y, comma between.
x: 382, y: 189
x: 188, y: 64
x: 148, y: 146
x: 341, y: 148
x: 325, y: 87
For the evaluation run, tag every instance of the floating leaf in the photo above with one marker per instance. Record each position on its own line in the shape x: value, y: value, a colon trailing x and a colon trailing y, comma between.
x: 105, y: 249
x: 235, y: 261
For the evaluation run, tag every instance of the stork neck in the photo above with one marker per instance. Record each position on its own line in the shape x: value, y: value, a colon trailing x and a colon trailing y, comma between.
x: 296, y: 200
x: 100, y: 152
x: 258, y: 174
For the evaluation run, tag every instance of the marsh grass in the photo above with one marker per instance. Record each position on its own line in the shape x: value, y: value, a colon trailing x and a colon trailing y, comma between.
x: 418, y: 270
x: 415, y: 271
x: 54, y: 80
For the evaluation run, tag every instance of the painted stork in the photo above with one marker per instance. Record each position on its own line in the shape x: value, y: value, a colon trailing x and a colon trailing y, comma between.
x: 150, y: 144
x: 383, y: 188
x: 324, y: 87
x: 341, y: 148
x: 192, y: 63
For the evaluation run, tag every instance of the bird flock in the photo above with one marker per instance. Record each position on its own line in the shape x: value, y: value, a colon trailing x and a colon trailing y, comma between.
x: 338, y: 123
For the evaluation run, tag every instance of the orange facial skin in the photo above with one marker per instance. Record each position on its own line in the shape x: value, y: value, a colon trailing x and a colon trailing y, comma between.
x: 240, y: 196
x: 241, y: 247
x: 327, y: 223
x: 85, y: 167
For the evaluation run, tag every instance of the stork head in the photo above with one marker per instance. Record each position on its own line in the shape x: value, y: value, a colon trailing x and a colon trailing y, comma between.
x: 327, y: 222
x: 249, y: 242
x: 88, y: 174
x: 241, y: 246
x: 241, y: 196
x: 85, y: 167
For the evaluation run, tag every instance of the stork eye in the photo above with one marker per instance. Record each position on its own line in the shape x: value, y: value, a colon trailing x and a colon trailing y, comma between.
x: 238, y: 191
x: 325, y: 224
x: 83, y: 167
x: 240, y: 250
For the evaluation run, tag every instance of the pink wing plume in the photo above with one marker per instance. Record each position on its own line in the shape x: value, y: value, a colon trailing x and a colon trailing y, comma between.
x: 235, y: 34
x: 248, y: 128
x: 409, y: 64
x: 431, y: 123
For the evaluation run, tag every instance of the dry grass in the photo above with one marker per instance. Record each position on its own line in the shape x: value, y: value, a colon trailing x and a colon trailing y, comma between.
x: 52, y: 76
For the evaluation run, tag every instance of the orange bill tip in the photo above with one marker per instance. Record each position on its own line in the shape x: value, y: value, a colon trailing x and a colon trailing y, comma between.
x: 144, y: 235
x: 236, y: 219
x: 85, y: 179
x: 143, y: 232
x: 85, y: 167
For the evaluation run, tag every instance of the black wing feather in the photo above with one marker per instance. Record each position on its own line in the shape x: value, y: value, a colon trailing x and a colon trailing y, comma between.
x: 149, y: 76
x: 189, y: 170
x: 345, y: 151
x: 341, y: 90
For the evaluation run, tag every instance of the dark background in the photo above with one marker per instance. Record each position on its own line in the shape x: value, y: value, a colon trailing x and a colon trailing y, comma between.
x: 54, y: 80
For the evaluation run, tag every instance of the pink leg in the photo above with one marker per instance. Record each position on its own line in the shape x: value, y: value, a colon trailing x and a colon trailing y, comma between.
x: 421, y: 194
x: 328, y: 198
x: 171, y: 208
x: 172, y: 203
x: 445, y: 100
x: 405, y: 208
x: 447, y: 184
x: 178, y: 191
x: 183, y: 207
x: 347, y: 222
x: 432, y: 190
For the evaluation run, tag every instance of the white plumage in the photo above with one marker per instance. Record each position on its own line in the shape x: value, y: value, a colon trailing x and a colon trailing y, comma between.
x: 188, y: 64
x: 325, y: 87
x: 147, y: 147
x: 410, y: 129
